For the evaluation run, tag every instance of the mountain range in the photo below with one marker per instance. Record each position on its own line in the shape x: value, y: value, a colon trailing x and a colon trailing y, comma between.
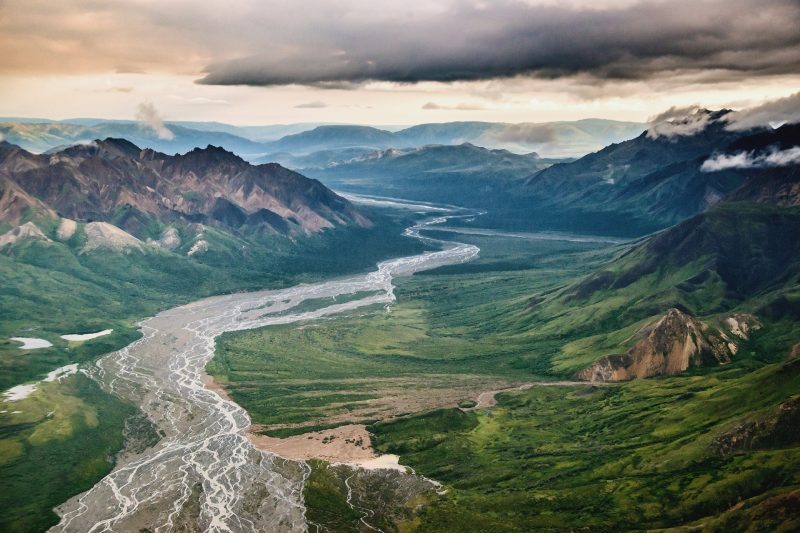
x: 691, y: 294
x: 629, y: 188
x: 462, y: 174
x: 705, y: 301
x: 114, y: 181
x: 280, y: 143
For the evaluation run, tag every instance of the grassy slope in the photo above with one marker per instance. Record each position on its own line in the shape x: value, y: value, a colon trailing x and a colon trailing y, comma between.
x: 633, y: 456
x: 50, y: 289
x: 59, y: 445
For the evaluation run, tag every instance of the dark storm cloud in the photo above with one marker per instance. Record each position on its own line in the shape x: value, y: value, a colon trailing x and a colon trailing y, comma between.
x: 469, y: 41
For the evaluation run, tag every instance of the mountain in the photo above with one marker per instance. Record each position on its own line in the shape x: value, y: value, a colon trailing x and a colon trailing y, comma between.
x: 41, y: 137
x: 688, y: 295
x: 115, y: 181
x: 629, y: 189
x: 557, y: 139
x: 650, y: 182
x: 670, y: 345
x: 463, y: 174
x: 332, y: 137
x: 562, y: 139
x: 314, y: 145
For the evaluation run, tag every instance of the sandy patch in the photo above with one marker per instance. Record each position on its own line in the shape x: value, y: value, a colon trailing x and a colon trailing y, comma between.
x: 32, y: 343
x: 350, y: 445
x: 344, y: 444
x: 80, y: 337
x: 383, y: 462
x: 211, y: 384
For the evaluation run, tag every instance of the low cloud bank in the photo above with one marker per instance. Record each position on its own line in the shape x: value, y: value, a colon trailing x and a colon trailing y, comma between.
x: 679, y: 121
x: 772, y: 158
x: 767, y: 114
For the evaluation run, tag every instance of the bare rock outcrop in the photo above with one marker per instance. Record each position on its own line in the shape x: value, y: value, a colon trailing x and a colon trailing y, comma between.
x: 66, y: 229
x: 776, y: 429
x: 27, y: 230
x: 170, y: 239
x: 669, y: 345
x: 105, y: 235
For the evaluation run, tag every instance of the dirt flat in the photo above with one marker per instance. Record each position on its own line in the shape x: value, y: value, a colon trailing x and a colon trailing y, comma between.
x: 344, y: 444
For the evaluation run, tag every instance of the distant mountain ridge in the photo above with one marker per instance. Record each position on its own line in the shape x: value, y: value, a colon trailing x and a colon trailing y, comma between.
x: 557, y: 139
x: 463, y: 174
x: 260, y: 142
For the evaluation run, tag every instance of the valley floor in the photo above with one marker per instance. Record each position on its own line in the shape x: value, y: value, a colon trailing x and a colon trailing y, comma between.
x: 648, y: 454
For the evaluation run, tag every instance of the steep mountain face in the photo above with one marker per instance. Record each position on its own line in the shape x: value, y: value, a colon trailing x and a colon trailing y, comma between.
x: 776, y: 185
x: 742, y: 250
x: 655, y: 181
x: 115, y: 181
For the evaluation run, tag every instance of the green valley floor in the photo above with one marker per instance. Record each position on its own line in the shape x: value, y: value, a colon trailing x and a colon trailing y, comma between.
x: 715, y: 448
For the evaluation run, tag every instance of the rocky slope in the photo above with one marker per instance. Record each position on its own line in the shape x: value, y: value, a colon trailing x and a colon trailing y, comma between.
x: 116, y: 182
x: 670, y: 345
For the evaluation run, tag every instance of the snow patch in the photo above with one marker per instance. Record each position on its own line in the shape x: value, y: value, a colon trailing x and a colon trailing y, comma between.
x: 80, y: 337
x: 32, y: 343
x: 61, y: 373
x: 20, y: 392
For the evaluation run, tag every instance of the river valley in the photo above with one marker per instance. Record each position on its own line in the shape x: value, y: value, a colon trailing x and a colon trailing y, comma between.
x: 204, y: 473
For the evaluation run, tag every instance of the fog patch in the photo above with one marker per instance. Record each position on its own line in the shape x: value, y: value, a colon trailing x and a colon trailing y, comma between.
x: 456, y: 107
x: 317, y: 104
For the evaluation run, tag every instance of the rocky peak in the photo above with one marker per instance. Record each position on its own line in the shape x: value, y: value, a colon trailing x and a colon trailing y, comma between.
x: 211, y: 156
x: 667, y: 346
x: 109, y: 148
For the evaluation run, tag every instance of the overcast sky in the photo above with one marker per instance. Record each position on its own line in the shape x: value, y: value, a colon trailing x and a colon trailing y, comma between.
x: 379, y: 62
